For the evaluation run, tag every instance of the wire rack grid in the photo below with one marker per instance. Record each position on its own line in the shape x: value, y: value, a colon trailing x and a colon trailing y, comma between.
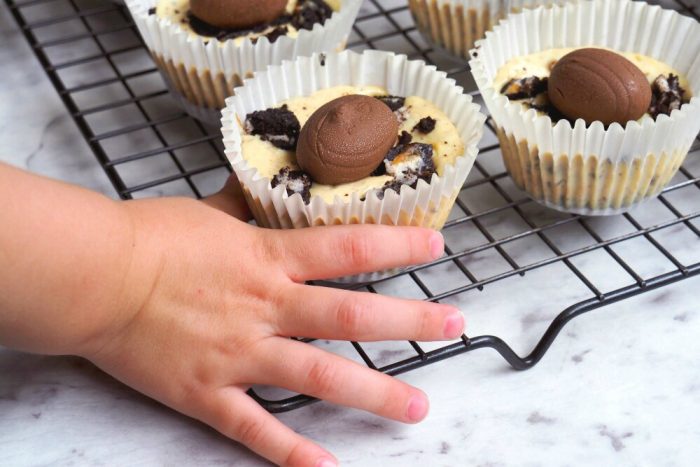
x: 499, y: 243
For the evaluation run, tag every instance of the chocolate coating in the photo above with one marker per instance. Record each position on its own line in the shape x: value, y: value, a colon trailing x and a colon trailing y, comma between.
x: 596, y: 84
x: 235, y: 14
x: 346, y: 139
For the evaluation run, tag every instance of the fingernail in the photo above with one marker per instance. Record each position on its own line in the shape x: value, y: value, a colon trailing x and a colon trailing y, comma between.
x: 454, y: 325
x: 326, y: 462
x: 437, y: 245
x: 417, y: 408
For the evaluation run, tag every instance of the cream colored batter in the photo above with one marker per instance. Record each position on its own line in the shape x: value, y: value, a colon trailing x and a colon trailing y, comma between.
x: 445, y: 139
x: 176, y: 12
x: 540, y: 63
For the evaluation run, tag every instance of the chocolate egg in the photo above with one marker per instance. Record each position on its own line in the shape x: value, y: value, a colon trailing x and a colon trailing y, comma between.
x: 596, y: 84
x: 346, y: 139
x: 237, y: 14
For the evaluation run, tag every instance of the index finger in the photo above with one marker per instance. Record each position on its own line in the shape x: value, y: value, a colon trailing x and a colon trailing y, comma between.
x: 336, y: 251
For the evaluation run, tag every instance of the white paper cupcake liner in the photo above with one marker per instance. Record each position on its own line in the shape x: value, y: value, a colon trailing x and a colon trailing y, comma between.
x: 205, y: 70
x: 427, y: 205
x: 454, y: 26
x: 592, y: 170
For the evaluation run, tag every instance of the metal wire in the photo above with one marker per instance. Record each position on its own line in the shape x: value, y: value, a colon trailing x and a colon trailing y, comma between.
x: 164, y: 146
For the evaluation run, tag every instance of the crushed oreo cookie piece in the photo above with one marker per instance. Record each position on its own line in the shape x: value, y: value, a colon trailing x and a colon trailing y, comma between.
x: 152, y: 11
x: 425, y: 125
x: 548, y: 109
x: 273, y: 34
x: 524, y: 88
x: 542, y: 104
x: 279, y: 126
x: 404, y: 138
x: 393, y: 102
x: 295, y: 181
x: 379, y: 171
x: 408, y: 164
x: 322, y: 59
x: 310, y: 12
x: 666, y: 95
x: 397, y: 105
x: 390, y: 185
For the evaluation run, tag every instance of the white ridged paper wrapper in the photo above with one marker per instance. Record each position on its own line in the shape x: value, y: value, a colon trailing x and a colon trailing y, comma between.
x: 591, y: 170
x: 202, y: 71
x: 455, y: 25
x: 427, y: 205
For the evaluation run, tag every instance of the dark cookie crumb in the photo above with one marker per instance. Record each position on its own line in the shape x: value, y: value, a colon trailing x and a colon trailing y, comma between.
x: 311, y: 12
x: 295, y: 181
x: 322, y: 59
x: 524, y: 88
x: 534, y: 90
x: 408, y: 164
x: 404, y: 138
x: 393, y: 102
x: 666, y: 95
x: 551, y: 111
x: 542, y: 104
x: 151, y: 11
x: 390, y: 185
x: 278, y: 126
x: 379, y: 171
x: 273, y: 34
x: 425, y: 125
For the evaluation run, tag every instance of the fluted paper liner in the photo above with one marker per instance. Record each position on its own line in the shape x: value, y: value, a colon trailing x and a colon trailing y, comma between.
x: 427, y: 205
x: 592, y: 170
x: 456, y: 25
x: 202, y: 71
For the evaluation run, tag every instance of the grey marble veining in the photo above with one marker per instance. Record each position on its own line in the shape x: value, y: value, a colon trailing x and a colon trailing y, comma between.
x: 620, y: 386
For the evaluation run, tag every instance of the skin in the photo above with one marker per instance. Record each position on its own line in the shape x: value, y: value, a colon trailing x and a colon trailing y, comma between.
x: 183, y: 301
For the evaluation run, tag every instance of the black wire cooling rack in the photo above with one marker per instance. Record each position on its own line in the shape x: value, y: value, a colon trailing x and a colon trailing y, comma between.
x: 148, y: 146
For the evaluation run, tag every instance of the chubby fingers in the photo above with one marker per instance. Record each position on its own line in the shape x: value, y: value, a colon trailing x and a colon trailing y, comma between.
x: 233, y: 413
x: 327, y: 313
x: 335, y: 251
x: 303, y: 368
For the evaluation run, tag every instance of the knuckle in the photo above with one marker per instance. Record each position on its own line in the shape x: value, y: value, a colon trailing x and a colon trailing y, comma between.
x: 320, y: 379
x: 412, y: 248
x: 425, y: 320
x: 268, y: 248
x: 352, y: 314
x: 296, y: 455
x: 356, y: 249
x: 392, y: 397
x: 250, y: 431
x: 417, y: 245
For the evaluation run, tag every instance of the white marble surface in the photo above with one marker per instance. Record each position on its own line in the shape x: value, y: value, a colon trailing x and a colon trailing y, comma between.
x: 621, y: 385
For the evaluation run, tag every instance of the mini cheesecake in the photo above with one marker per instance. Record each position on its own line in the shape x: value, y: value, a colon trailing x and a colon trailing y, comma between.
x: 424, y: 143
x: 601, y: 111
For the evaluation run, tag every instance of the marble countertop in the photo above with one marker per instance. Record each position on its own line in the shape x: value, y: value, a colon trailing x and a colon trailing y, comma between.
x: 620, y: 386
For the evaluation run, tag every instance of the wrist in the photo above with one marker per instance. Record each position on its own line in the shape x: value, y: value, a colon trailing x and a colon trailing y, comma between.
x: 134, y: 279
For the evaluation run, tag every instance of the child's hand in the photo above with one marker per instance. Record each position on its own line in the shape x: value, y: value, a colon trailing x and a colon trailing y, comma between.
x: 222, y: 300
x: 191, y: 306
